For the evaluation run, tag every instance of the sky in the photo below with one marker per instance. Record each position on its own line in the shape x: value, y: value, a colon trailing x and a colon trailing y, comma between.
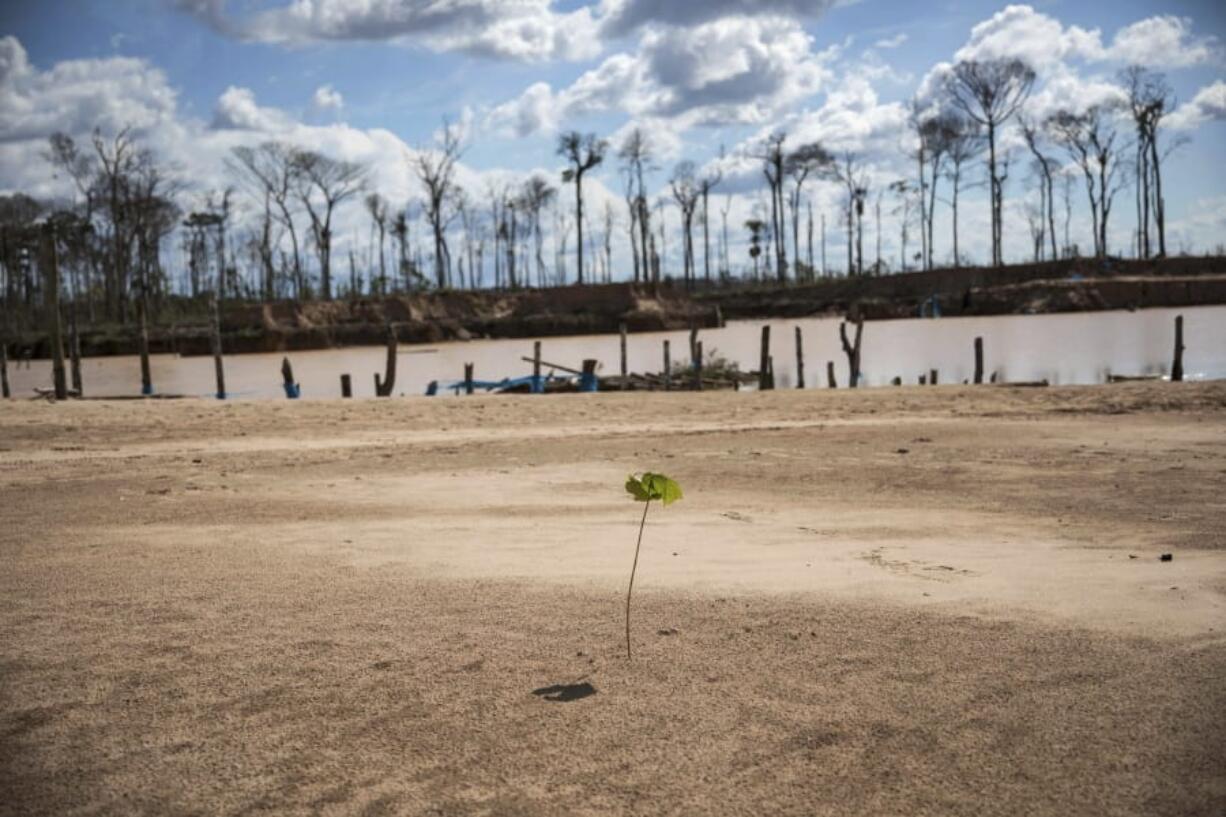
x: 372, y: 80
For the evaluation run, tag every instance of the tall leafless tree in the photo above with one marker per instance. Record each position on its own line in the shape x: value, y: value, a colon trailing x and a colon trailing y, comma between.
x: 269, y: 173
x: 635, y: 153
x: 1047, y: 168
x: 583, y: 152
x: 990, y: 93
x: 323, y: 184
x: 774, y: 159
x: 435, y: 169
x: 808, y: 160
x: 686, y: 192
x: 1090, y: 141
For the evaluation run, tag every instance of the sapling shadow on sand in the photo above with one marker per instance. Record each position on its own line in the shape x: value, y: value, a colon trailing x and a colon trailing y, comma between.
x: 646, y: 488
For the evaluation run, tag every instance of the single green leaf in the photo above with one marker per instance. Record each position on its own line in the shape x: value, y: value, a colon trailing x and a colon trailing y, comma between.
x: 658, y: 486
x: 636, y: 488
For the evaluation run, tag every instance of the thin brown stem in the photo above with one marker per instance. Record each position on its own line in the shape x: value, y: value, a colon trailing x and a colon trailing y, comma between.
x: 639, y: 544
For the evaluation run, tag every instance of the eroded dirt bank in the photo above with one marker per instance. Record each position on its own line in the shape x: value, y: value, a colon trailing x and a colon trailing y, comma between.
x: 918, y: 601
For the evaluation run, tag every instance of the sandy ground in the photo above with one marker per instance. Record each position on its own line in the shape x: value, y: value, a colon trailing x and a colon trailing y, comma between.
x: 899, y: 601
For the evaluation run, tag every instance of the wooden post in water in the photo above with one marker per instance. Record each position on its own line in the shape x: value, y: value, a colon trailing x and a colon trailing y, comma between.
x: 897, y: 381
x: 383, y: 388
x: 978, y: 360
x: 74, y: 351
x: 668, y: 368
x: 468, y: 378
x: 831, y: 383
x: 719, y: 317
x: 4, y: 372
x: 764, y: 360
x: 346, y: 386
x: 146, y: 371
x: 218, y: 367
x: 932, y: 377
x: 693, y: 342
x: 800, y: 361
x: 923, y: 380
x: 852, y: 351
x: 287, y: 379
x: 625, y: 372
x: 770, y: 371
x: 698, y: 366
x: 537, y: 386
x: 55, y: 329
x: 1177, y: 363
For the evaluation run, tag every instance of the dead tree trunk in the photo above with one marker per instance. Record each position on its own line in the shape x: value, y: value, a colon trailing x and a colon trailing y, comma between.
x: 292, y: 389
x: 764, y: 362
x: 55, y: 328
x: 383, y: 388
x: 852, y: 350
x: 800, y: 361
x: 1177, y: 364
x: 978, y: 360
x: 218, y: 367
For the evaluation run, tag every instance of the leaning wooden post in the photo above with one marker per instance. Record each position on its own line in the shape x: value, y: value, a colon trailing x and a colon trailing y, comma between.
x: 668, y: 368
x: 764, y: 360
x: 468, y: 378
x: 55, y: 330
x: 625, y: 371
x: 537, y: 386
x: 698, y: 366
x: 346, y: 386
x: 292, y: 390
x: 831, y: 383
x: 383, y: 388
x: 4, y: 372
x: 74, y: 351
x: 800, y: 361
x: 852, y: 351
x: 218, y: 367
x: 1177, y: 364
x: 978, y: 360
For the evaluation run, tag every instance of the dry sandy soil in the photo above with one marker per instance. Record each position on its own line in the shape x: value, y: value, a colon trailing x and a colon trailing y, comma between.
x: 908, y: 601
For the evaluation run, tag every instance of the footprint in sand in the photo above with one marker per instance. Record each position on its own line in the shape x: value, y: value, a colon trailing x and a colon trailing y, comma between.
x: 736, y: 517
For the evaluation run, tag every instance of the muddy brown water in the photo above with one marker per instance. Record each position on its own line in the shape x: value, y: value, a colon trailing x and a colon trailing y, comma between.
x: 1076, y: 348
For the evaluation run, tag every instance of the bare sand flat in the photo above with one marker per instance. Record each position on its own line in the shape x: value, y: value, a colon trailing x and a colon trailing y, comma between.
x: 909, y: 601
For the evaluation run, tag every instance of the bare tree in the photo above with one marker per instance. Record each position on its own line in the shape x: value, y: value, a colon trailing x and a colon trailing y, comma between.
x: 435, y: 168
x: 807, y: 160
x: 535, y: 196
x: 324, y: 184
x: 936, y: 134
x: 773, y: 159
x: 584, y: 152
x: 378, y: 208
x: 269, y: 172
x: 686, y: 192
x: 990, y: 92
x: 965, y: 144
x: 1046, y: 167
x: 1090, y: 140
x: 855, y: 180
x: 1149, y: 100
x: 635, y: 153
x: 706, y: 183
